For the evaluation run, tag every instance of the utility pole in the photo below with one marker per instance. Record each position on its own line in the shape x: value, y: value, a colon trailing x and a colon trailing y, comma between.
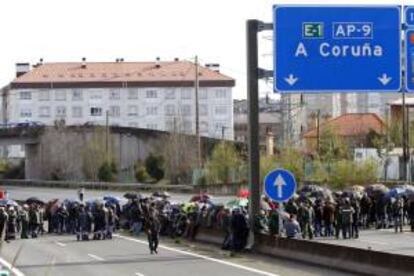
x: 197, y: 117
x: 107, y: 136
x: 223, y: 129
x: 318, y: 136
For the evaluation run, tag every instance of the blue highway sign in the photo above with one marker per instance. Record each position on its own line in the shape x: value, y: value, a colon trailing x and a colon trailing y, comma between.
x: 409, y: 49
x: 337, y: 49
x: 409, y: 16
x: 280, y: 185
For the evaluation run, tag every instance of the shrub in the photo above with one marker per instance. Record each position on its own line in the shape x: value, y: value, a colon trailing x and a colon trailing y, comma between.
x: 154, y: 165
x: 141, y: 174
x: 105, y: 172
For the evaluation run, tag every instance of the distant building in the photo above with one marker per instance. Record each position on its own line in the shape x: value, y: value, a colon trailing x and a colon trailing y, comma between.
x: 152, y: 95
x: 270, y: 124
x: 353, y: 127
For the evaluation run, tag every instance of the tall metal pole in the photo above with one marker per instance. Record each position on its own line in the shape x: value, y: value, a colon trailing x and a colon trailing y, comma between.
x: 404, y: 137
x: 107, y: 135
x: 253, y: 104
x: 318, y: 136
x: 197, y: 117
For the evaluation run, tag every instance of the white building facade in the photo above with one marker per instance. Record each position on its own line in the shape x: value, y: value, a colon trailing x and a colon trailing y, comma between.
x: 157, y: 95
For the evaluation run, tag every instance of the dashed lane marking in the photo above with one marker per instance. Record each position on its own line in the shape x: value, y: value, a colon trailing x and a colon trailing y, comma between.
x: 60, y: 244
x: 242, y: 267
x: 96, y: 257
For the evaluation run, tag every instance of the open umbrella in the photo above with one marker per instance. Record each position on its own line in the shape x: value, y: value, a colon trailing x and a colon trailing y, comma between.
x: 35, y: 200
x: 243, y: 193
x: 8, y: 202
x: 162, y: 194
x: 376, y: 190
x: 201, y: 198
x: 112, y: 199
x: 237, y: 202
x: 131, y: 195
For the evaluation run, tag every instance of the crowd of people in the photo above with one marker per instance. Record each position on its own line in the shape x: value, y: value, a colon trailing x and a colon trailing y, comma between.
x: 313, y: 213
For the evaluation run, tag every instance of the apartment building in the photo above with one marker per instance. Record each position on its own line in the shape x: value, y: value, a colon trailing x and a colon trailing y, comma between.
x: 155, y: 95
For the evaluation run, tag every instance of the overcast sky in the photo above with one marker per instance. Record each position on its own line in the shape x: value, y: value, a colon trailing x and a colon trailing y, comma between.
x: 138, y: 30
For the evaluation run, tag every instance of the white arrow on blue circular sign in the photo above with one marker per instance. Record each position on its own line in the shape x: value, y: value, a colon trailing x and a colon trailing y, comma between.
x: 280, y: 185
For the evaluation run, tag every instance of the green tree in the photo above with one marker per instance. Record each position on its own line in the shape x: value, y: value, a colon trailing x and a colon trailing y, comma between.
x: 154, y: 165
x: 224, y: 160
x: 332, y: 146
x: 106, y: 172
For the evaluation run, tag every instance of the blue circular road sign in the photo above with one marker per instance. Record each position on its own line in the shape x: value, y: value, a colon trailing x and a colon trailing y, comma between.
x: 280, y: 185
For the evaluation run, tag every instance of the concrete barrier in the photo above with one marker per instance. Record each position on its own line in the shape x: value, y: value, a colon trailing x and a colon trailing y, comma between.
x: 98, y: 185
x: 350, y: 259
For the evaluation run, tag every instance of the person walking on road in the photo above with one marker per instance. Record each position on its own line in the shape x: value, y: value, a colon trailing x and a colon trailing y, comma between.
x: 4, y: 218
x: 24, y: 220
x: 153, y: 231
x: 84, y: 224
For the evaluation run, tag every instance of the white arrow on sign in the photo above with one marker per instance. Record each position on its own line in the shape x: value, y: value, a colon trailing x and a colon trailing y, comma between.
x: 384, y: 79
x: 279, y: 183
x: 291, y: 80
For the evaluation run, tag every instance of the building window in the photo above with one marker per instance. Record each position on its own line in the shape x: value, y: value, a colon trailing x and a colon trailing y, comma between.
x: 114, y: 94
x: 187, y: 126
x: 76, y: 95
x: 77, y: 112
x: 115, y: 111
x: 204, y: 127
x: 96, y: 95
x: 221, y: 93
x: 25, y: 113
x: 133, y: 124
x: 170, y: 94
x: 202, y: 94
x: 186, y: 94
x: 169, y: 125
x: 203, y: 110
x: 132, y: 110
x: 186, y: 110
x: 60, y: 95
x: 132, y: 94
x: 44, y: 95
x: 151, y: 94
x: 96, y: 111
x: 61, y: 111
x: 25, y: 95
x: 44, y: 111
x: 152, y: 126
x: 170, y: 110
x: 220, y: 110
x: 152, y: 110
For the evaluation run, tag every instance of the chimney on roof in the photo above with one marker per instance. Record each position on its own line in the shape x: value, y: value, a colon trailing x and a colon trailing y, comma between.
x: 117, y: 60
x: 121, y: 60
x: 157, y: 63
x: 40, y: 61
x: 22, y: 68
x: 213, y: 67
x: 83, y: 63
x: 176, y: 59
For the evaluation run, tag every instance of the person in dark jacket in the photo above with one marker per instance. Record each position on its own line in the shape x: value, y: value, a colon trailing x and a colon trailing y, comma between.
x: 84, y: 224
x: 24, y: 220
x: 153, y: 230
x: 328, y: 216
x: 4, y: 218
x: 11, y: 224
x: 239, y: 229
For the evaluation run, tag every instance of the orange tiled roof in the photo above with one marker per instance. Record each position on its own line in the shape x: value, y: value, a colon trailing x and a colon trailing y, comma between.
x: 113, y: 72
x: 351, y: 124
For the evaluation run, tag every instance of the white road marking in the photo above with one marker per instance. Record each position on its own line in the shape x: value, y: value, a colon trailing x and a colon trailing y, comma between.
x: 96, y: 257
x: 8, y: 265
x: 139, y: 274
x: 60, y: 244
x: 242, y: 267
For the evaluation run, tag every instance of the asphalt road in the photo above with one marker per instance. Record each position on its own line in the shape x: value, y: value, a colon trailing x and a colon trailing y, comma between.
x: 63, y: 255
